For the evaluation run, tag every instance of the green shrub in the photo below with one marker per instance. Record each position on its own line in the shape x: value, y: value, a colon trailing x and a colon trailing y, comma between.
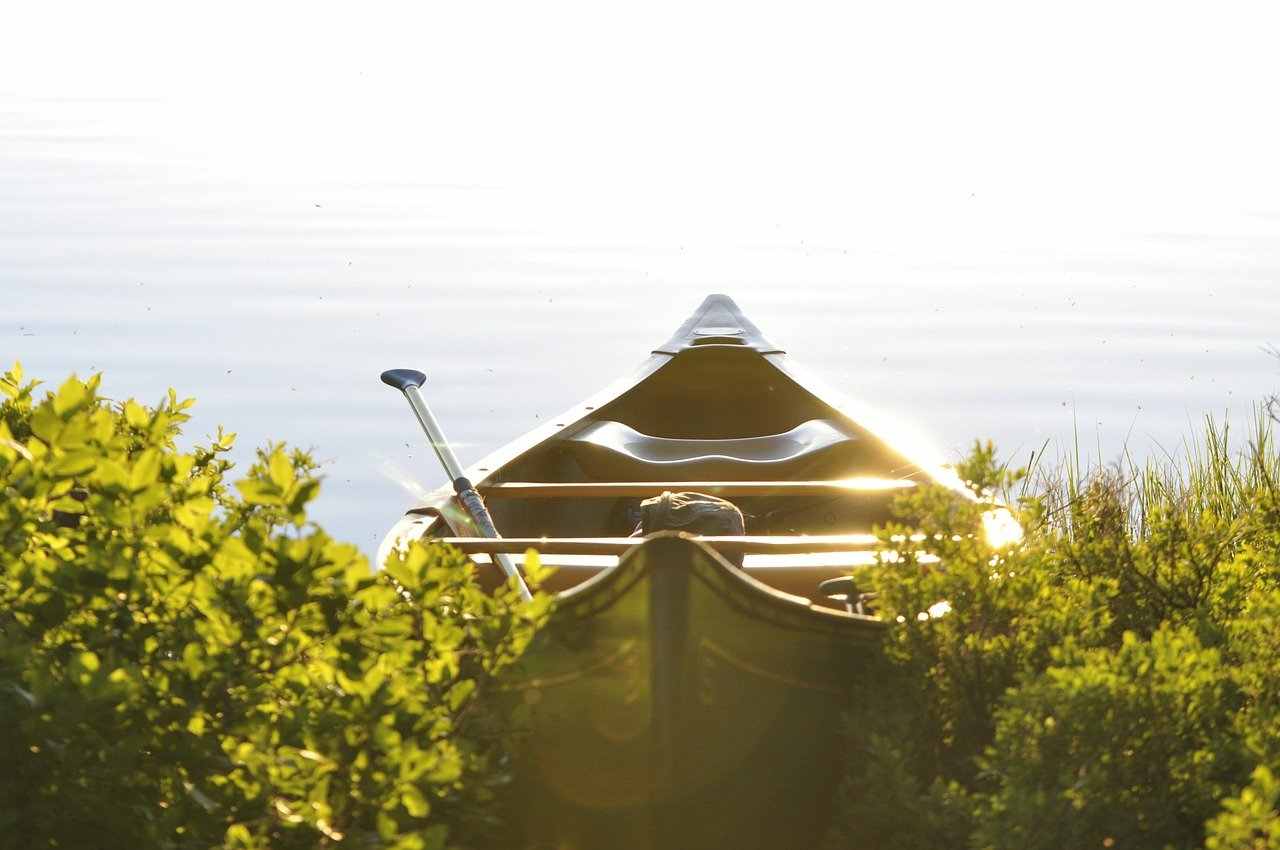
x: 1251, y: 819
x: 1112, y: 680
x: 1131, y: 746
x: 187, y: 662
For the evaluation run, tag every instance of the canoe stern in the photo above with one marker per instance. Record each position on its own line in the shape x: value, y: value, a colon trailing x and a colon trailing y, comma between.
x: 675, y: 702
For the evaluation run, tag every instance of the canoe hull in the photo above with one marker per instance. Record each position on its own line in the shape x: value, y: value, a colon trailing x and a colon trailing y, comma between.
x: 675, y: 703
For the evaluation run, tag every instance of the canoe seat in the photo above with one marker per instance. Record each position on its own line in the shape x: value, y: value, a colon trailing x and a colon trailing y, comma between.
x: 623, y: 442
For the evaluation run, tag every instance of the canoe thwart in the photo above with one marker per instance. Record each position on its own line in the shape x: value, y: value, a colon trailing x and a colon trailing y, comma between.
x: 744, y: 545
x: 641, y: 489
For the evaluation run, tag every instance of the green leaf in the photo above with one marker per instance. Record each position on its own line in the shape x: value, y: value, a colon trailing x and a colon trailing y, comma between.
x: 194, y: 513
x: 68, y: 505
x: 394, y: 627
x: 71, y: 396
x: 459, y: 693
x: 238, y: 835
x: 75, y: 464
x: 234, y: 559
x: 223, y: 440
x: 414, y: 803
x: 302, y: 493
x: 386, y: 826
x: 11, y: 381
x: 145, y: 470
x: 258, y: 492
x: 193, y: 659
x: 281, y: 470
x: 136, y: 415
x: 535, y: 572
x: 46, y: 424
x: 110, y: 474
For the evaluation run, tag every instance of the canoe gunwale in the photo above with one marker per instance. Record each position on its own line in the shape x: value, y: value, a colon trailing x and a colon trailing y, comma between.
x: 741, y: 591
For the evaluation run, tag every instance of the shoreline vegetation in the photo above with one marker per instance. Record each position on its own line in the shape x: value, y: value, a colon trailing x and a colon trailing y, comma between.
x: 187, y: 661
x: 1112, y: 681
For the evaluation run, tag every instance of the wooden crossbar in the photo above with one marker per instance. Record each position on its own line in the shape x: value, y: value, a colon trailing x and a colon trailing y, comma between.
x: 833, y: 563
x: 746, y: 545
x: 623, y: 489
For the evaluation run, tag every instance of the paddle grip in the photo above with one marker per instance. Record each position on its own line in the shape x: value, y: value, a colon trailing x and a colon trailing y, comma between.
x: 475, y: 506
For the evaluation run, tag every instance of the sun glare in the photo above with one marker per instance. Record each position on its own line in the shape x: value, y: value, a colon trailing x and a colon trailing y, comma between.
x: 871, y: 483
x: 1000, y: 528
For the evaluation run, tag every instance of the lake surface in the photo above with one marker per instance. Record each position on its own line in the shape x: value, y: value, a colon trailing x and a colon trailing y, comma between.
x: 269, y: 240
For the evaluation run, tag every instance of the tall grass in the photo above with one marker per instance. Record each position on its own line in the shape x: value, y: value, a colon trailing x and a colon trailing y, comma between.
x: 1111, y: 681
x: 1216, y: 474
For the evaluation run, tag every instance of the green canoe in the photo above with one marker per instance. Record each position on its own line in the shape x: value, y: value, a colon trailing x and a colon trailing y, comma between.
x: 676, y: 701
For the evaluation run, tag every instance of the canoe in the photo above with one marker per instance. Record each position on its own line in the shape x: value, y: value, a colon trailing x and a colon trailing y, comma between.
x: 676, y: 700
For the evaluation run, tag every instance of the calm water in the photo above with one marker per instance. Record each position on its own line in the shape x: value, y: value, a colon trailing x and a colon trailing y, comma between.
x: 269, y: 240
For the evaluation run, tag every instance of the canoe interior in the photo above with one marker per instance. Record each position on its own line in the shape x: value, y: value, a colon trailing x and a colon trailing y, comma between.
x: 708, y: 393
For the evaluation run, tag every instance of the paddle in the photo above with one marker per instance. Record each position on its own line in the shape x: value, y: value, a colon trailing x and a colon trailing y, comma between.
x: 408, y: 381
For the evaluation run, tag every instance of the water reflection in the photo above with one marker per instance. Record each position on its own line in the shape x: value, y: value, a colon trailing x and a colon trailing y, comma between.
x: 277, y: 298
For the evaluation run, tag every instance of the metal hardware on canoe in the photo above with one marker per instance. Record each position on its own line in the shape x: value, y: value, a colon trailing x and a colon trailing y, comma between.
x: 743, y: 545
x: 624, y: 489
x: 408, y: 382
x: 844, y: 589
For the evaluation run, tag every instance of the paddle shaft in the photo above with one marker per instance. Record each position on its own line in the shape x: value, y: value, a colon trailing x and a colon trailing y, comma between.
x: 467, y: 494
x: 434, y: 434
